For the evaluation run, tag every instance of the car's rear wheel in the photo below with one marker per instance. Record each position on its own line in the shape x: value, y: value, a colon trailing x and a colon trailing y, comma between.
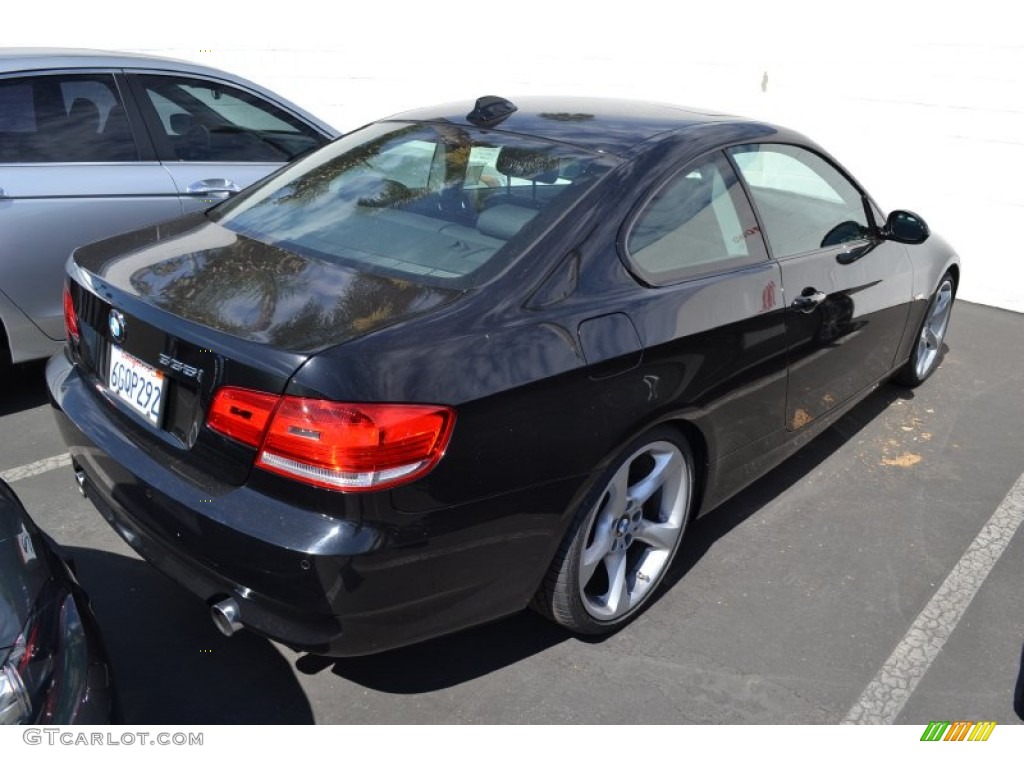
x: 623, y: 537
x: 927, y: 351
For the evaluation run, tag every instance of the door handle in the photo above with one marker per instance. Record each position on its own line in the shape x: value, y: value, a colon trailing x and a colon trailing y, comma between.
x: 808, y: 300
x: 213, y: 188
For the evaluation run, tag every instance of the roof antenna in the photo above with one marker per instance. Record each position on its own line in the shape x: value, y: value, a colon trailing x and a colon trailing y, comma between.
x: 490, y: 110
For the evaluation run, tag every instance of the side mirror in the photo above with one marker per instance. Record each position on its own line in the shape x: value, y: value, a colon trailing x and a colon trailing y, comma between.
x: 905, y: 227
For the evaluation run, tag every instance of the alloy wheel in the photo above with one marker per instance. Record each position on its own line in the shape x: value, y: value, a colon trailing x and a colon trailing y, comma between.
x: 634, y: 530
x: 933, y: 330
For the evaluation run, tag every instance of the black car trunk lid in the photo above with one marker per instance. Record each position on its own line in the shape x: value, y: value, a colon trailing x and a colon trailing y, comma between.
x: 199, y: 271
x: 191, y: 361
x: 200, y: 307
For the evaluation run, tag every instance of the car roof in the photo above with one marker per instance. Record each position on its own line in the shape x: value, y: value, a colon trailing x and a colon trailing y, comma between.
x: 14, y: 60
x: 616, y: 126
x: 19, y: 59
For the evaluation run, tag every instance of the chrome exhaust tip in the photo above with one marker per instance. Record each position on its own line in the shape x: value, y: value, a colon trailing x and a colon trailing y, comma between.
x: 226, y: 616
x: 80, y: 479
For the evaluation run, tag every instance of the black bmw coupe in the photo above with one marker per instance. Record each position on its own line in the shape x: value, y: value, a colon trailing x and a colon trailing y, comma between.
x: 481, y: 356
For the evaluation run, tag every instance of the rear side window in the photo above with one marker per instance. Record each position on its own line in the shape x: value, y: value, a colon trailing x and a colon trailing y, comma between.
x: 206, y: 121
x: 446, y: 204
x: 63, y: 119
x: 696, y: 223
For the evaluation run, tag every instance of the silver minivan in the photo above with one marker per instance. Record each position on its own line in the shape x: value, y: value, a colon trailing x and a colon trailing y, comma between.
x: 95, y: 143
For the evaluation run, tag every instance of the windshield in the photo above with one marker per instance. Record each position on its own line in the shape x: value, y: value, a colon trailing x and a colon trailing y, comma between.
x: 448, y: 205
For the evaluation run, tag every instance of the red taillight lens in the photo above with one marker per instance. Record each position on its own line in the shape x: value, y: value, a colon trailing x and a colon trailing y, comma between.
x: 70, y: 318
x: 242, y: 414
x: 354, y: 447
x: 343, y: 446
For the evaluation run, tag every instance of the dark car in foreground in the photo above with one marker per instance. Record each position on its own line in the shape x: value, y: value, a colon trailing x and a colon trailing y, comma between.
x: 481, y: 356
x: 93, y: 143
x: 53, y: 666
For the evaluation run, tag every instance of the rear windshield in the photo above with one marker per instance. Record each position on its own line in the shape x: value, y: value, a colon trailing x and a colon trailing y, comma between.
x: 440, y: 203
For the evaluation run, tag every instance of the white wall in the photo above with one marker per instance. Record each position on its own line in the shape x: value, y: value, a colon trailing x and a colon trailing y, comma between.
x: 923, y: 102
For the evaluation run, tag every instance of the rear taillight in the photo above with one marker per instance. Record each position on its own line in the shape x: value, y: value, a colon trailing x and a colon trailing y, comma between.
x: 70, y: 318
x: 242, y: 414
x: 342, y: 446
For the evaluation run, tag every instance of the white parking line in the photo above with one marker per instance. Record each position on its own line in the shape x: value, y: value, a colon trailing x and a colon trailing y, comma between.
x: 36, y: 468
x: 886, y: 695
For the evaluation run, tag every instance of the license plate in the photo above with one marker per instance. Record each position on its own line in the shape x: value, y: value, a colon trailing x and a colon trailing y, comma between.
x: 139, y: 385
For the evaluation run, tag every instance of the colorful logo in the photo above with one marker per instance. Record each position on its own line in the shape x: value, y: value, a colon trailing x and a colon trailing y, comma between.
x: 958, y: 730
x: 117, y: 325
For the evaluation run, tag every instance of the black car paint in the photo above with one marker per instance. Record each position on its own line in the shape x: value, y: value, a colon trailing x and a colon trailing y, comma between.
x: 551, y: 366
x: 23, y: 577
x: 35, y: 576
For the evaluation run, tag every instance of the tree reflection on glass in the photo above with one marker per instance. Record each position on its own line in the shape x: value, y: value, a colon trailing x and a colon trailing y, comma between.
x: 266, y: 294
x: 239, y: 292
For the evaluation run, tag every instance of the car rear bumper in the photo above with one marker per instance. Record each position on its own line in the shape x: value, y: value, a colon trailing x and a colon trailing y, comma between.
x: 366, y: 580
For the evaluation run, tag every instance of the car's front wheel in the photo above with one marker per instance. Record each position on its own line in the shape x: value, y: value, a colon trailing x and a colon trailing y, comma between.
x: 623, y: 537
x: 924, y: 358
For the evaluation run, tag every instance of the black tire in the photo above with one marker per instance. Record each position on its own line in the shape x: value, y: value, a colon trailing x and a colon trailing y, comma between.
x: 621, y: 538
x: 927, y: 351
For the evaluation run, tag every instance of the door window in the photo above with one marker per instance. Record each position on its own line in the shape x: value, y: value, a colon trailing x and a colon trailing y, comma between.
x: 201, y: 120
x: 804, y: 201
x: 63, y: 119
x: 696, y: 223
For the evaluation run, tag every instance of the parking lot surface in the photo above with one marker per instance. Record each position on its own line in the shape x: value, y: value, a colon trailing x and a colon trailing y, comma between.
x: 821, y: 594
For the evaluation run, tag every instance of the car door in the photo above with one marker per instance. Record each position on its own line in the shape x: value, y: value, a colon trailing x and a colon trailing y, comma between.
x: 713, y: 330
x: 72, y: 170
x: 216, y: 138
x: 847, y: 292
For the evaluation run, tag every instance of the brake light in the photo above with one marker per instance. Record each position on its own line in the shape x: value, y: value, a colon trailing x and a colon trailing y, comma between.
x: 70, y: 318
x: 242, y: 414
x: 342, y: 446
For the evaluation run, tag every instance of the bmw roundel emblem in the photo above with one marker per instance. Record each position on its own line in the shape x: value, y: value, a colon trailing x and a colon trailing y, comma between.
x: 117, y: 325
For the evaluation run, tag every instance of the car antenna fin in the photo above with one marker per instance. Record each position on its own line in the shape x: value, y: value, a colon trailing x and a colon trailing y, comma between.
x: 490, y: 110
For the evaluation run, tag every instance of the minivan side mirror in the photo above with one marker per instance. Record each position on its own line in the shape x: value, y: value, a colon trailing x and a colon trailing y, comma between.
x: 905, y: 227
